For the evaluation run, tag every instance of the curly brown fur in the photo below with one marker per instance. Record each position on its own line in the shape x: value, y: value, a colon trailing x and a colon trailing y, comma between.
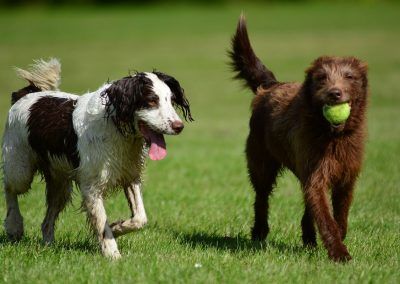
x: 288, y: 131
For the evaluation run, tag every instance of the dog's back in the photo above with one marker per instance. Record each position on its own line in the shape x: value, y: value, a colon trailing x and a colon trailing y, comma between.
x: 272, y: 103
x: 33, y: 121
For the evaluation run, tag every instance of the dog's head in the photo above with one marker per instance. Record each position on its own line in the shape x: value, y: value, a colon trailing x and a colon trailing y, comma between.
x: 145, y: 103
x: 336, y: 80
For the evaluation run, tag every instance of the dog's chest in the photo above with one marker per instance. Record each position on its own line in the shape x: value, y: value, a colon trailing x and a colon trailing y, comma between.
x: 113, y: 161
x: 343, y: 160
x: 336, y: 159
x: 125, y: 163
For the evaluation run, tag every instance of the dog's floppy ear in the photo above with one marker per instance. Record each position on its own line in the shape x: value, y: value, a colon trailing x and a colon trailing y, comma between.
x: 362, y: 67
x: 123, y: 98
x: 179, y: 99
x: 312, y: 75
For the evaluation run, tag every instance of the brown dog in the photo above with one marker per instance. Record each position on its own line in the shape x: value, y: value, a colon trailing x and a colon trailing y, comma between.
x: 288, y: 130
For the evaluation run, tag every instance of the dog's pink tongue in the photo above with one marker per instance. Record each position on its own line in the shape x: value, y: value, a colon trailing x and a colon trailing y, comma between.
x: 158, y: 149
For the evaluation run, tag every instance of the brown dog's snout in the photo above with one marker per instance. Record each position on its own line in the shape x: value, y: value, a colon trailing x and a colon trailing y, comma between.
x: 335, y: 94
x: 177, y: 126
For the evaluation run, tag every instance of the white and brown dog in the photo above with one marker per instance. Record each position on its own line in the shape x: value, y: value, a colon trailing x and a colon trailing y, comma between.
x: 98, y: 140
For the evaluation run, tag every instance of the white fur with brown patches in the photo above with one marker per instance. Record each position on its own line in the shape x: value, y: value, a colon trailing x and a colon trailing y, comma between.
x: 107, y: 158
x: 160, y: 118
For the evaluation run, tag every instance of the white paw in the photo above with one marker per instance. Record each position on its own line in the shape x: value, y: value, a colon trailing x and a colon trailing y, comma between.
x: 109, y: 249
x: 112, y: 255
x: 140, y: 221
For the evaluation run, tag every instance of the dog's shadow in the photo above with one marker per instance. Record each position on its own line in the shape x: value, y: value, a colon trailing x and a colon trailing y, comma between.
x: 84, y: 245
x: 236, y: 244
x: 203, y: 240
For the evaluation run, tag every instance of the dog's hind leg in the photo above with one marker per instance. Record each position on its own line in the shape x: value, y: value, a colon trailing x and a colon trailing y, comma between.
x: 342, y: 196
x: 58, y: 194
x: 13, y: 224
x: 308, y: 229
x: 263, y: 185
x: 93, y: 203
x: 18, y: 171
x: 133, y: 194
x: 263, y: 170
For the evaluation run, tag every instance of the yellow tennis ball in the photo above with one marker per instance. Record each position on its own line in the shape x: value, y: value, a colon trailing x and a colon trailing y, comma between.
x: 336, y: 114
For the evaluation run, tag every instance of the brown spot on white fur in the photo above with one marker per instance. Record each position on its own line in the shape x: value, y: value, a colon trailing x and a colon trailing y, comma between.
x: 51, y: 130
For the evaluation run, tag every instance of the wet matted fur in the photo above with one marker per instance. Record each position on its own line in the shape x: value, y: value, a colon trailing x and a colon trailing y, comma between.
x: 288, y: 131
x: 100, y: 140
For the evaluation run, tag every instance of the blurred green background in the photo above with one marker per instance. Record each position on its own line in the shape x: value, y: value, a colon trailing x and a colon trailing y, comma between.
x: 199, y: 199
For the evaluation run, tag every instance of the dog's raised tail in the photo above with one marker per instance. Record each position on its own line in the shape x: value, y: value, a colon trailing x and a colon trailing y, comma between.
x: 45, y: 75
x: 244, y: 61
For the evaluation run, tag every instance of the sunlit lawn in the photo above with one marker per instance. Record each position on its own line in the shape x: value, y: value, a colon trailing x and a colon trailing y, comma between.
x: 199, y: 199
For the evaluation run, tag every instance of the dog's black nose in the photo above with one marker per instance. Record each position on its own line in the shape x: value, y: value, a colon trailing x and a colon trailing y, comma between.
x: 177, y: 126
x: 335, y: 94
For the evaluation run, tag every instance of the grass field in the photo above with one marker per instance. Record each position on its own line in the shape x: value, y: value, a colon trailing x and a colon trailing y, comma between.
x: 199, y: 199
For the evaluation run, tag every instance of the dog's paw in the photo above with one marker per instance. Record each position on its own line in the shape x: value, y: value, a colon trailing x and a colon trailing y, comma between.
x: 309, y: 241
x: 14, y: 228
x: 15, y: 237
x: 115, y: 255
x: 111, y: 252
x: 123, y: 227
x: 47, y: 234
x: 340, y: 254
x: 109, y: 248
x: 259, y: 233
x: 47, y: 241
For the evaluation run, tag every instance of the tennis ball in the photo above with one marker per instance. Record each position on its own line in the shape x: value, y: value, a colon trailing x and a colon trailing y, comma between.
x: 336, y: 114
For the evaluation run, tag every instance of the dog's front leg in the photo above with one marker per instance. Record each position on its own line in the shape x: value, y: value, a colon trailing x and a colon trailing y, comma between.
x: 342, y: 196
x: 133, y: 194
x: 93, y: 203
x: 315, y: 190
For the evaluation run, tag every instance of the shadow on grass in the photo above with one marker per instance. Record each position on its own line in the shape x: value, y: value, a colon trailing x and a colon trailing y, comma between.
x: 84, y: 245
x: 237, y: 244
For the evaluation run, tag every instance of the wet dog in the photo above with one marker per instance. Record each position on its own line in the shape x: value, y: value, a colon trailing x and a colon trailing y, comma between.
x: 99, y: 140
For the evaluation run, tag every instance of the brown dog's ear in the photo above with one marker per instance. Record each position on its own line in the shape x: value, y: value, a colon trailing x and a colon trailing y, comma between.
x: 316, y: 64
x: 358, y: 64
x: 362, y: 68
x: 310, y: 71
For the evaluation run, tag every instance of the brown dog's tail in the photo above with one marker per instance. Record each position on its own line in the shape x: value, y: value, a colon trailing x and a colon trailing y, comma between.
x: 244, y: 61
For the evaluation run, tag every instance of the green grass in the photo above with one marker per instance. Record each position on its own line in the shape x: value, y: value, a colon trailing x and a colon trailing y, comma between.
x: 199, y: 199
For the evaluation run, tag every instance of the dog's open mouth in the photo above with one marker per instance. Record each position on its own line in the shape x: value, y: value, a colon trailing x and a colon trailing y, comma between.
x: 158, y: 147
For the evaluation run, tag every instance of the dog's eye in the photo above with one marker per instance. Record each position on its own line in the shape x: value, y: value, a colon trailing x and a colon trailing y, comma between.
x: 321, y: 77
x: 153, y: 102
x: 349, y: 76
